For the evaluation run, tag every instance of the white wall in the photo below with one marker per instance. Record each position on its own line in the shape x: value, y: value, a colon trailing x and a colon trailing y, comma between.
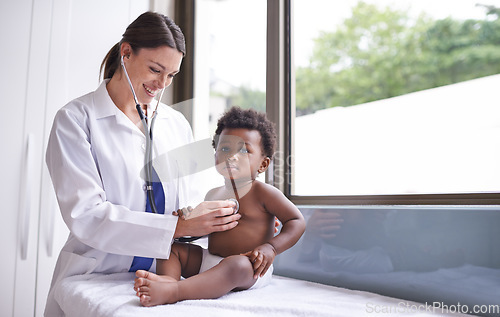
x: 50, y: 53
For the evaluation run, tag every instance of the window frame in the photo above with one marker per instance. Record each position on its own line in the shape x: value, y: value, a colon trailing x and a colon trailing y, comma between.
x: 280, y: 101
x: 280, y: 105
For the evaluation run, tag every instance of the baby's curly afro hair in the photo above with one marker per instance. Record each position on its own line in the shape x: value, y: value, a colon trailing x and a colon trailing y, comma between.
x: 237, y: 118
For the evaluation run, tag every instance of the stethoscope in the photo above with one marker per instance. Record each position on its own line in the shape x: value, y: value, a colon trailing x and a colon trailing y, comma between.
x: 148, y: 155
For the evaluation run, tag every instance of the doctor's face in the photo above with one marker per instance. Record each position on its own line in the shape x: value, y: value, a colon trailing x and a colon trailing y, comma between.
x: 151, y: 70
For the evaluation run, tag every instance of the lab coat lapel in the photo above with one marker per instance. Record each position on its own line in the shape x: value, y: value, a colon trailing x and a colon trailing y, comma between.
x: 107, y: 108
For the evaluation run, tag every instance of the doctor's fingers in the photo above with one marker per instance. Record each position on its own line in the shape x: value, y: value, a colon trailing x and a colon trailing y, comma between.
x: 222, y: 207
x: 223, y: 212
x: 224, y: 223
x: 232, y: 221
x: 219, y: 208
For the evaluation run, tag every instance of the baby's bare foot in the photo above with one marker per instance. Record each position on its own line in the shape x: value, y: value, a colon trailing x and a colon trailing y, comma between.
x: 154, y: 289
x: 154, y: 277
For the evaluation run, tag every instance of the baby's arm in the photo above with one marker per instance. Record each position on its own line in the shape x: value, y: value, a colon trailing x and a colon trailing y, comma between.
x: 293, y: 227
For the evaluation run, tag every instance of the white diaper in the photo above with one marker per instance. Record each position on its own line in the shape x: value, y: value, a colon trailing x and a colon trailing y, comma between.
x: 210, y: 260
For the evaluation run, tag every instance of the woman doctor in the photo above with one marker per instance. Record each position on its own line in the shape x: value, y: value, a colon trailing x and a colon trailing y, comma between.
x: 96, y: 153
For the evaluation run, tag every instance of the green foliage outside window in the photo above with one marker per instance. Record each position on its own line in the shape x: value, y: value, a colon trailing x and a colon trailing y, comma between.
x: 380, y: 53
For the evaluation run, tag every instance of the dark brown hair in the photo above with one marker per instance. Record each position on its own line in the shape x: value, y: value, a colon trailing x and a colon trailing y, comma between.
x: 149, y: 30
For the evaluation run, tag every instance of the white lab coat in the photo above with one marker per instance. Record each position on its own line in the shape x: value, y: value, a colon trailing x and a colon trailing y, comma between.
x: 95, y: 156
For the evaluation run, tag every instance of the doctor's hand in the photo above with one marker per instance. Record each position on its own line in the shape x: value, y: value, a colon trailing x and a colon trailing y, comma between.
x: 207, y: 217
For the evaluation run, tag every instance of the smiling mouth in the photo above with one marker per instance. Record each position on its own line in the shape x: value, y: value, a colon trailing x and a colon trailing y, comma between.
x: 150, y: 92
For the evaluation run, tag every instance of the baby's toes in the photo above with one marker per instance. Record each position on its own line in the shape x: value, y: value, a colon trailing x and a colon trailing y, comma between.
x: 139, y: 282
x: 141, y: 290
x: 145, y: 300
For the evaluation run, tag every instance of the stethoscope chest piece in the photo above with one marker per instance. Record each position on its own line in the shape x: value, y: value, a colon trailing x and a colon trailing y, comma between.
x: 236, y: 208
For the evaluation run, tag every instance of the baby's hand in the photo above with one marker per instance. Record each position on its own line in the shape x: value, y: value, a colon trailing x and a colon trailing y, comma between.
x: 262, y: 257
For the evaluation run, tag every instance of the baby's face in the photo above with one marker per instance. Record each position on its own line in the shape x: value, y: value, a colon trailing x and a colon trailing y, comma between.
x: 239, y: 153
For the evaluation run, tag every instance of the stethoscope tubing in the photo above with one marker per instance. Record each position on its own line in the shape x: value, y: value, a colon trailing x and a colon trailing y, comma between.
x: 148, y: 155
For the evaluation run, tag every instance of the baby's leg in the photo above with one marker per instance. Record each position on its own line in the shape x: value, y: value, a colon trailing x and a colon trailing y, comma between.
x: 153, y: 289
x: 232, y: 273
x: 185, y: 259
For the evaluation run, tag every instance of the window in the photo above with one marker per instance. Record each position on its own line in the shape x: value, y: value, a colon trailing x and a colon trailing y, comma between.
x: 229, y: 68
x: 371, y: 151
x: 394, y: 98
x: 230, y: 60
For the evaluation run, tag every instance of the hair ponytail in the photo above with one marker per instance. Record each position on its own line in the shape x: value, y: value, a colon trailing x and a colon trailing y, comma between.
x: 111, y: 62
